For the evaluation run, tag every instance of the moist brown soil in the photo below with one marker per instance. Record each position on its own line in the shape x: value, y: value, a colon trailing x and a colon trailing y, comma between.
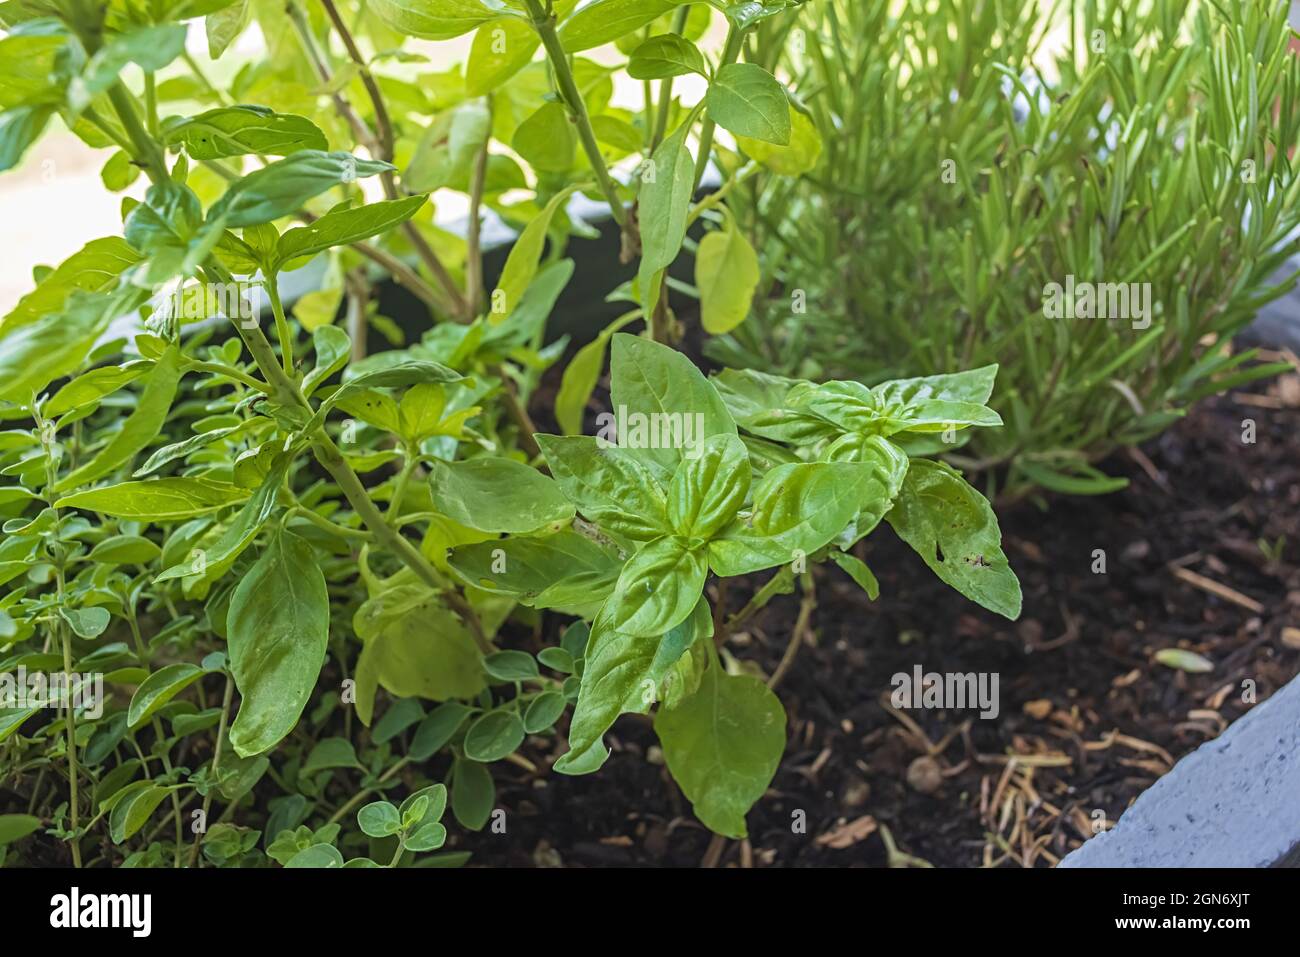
x: 1089, y: 718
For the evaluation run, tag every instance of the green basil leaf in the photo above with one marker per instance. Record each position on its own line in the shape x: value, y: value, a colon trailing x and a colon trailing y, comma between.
x: 414, y: 648
x: 151, y: 48
x: 953, y: 528
x: 709, y: 487
x: 609, y: 485
x: 759, y: 402
x: 332, y: 350
x: 96, y: 267
x: 133, y: 810
x: 797, y: 157
x: 280, y: 188
x: 566, y: 568
x: 156, y: 500
x: 797, y: 509
x: 521, y: 265
x: 664, y: 202
x: 498, y: 495
x: 124, y: 550
x: 581, y: 375
x: 278, y: 628
x: 159, y: 688
x: 664, y: 406
x: 723, y: 745
x: 726, y: 274
x: 748, y: 101
x: 344, y: 226
x: 499, y: 51
x: 19, y: 129
x: 35, y: 353
x: 141, y: 428
x: 657, y: 588
x: 623, y: 674
x: 666, y: 55
x: 241, y: 130
x: 434, y: 19
x: 546, y: 139
x: 605, y: 21
x: 858, y: 571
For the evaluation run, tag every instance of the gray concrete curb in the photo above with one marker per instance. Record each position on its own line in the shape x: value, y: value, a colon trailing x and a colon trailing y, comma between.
x: 1233, y: 802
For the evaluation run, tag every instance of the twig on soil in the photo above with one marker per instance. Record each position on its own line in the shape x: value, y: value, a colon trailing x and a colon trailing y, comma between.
x: 1222, y: 591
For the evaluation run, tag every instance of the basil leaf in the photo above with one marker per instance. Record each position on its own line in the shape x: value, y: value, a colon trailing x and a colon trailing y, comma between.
x: 344, y: 226
x: 19, y: 129
x: 156, y: 500
x: 748, y: 101
x: 278, y: 628
x: 623, y: 674
x: 433, y: 19
x: 566, y: 568
x: 666, y: 55
x: 678, y: 406
x: 797, y: 509
x: 953, y: 528
x: 759, y: 402
x: 498, y: 495
x: 472, y: 793
x: 332, y: 350
x: 581, y: 375
x: 657, y: 588
x: 141, y: 427
x: 663, y: 202
x: 521, y: 265
x: 159, y: 688
x: 722, y: 746
x: 610, y: 486
x: 95, y: 267
x: 709, y: 487
x: 241, y: 130
x: 34, y: 354
x: 280, y: 188
x: 797, y: 157
x: 499, y: 51
x: 726, y: 274
x: 605, y: 21
x: 414, y: 648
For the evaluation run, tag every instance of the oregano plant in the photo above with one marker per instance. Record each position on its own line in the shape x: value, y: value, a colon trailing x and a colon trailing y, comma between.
x: 283, y: 591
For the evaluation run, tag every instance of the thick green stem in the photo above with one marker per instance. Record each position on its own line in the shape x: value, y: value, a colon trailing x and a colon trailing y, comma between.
x: 147, y: 152
x: 281, y: 323
x: 568, y: 89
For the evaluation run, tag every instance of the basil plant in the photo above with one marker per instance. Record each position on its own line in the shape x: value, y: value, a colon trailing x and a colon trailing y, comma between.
x: 264, y: 588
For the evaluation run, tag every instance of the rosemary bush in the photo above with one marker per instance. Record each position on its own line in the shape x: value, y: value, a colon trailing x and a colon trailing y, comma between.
x: 1097, y: 196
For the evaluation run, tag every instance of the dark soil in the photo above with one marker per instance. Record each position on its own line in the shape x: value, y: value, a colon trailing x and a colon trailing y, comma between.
x: 1089, y: 718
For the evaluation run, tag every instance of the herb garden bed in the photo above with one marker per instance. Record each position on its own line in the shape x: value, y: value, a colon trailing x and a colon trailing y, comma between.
x: 1092, y: 719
